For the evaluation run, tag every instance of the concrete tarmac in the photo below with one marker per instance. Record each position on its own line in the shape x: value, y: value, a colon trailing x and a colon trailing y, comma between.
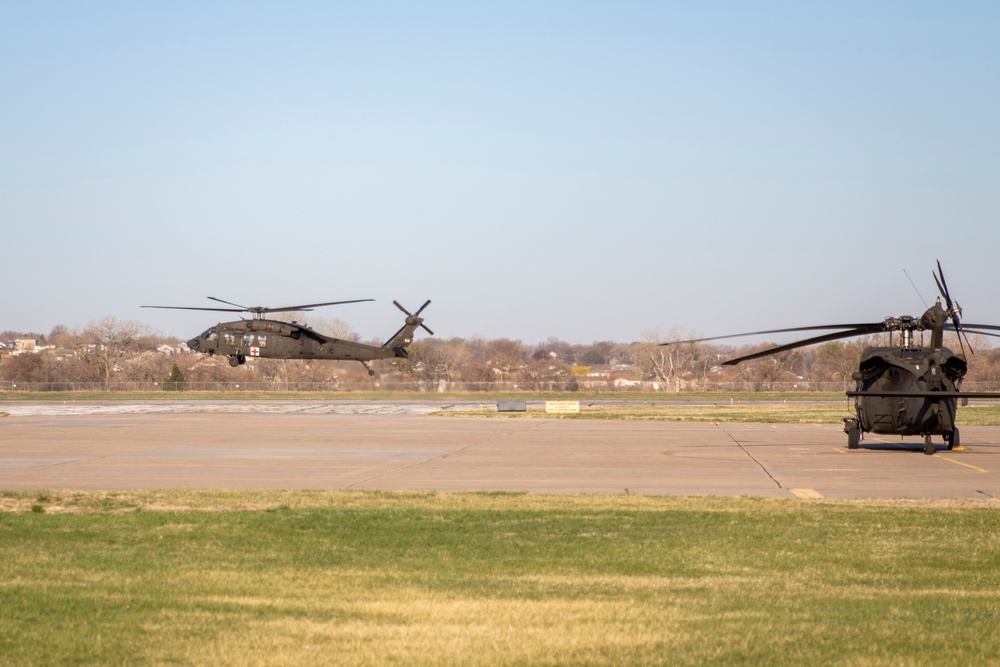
x: 397, y: 447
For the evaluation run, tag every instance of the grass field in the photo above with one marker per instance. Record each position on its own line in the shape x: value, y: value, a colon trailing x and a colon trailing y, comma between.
x: 792, y: 412
x: 484, y: 579
x: 800, y: 407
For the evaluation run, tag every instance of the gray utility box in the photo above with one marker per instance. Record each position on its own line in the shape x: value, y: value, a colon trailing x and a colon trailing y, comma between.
x: 512, y: 406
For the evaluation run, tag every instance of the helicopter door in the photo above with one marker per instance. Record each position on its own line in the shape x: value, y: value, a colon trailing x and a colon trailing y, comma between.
x: 249, y: 346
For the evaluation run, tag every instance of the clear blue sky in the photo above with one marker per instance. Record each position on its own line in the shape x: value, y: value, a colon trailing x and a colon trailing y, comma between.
x: 580, y: 170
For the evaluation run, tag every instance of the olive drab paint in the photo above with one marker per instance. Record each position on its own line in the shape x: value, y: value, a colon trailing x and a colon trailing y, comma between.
x: 904, y: 389
x: 273, y: 339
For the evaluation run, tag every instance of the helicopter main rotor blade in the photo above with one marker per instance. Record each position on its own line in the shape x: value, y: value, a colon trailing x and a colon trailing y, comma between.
x: 237, y: 308
x: 258, y: 310
x: 217, y: 310
x: 970, y: 330
x: 970, y: 327
x: 823, y: 327
x: 284, y: 309
x: 230, y: 303
x: 803, y: 343
x: 310, y: 306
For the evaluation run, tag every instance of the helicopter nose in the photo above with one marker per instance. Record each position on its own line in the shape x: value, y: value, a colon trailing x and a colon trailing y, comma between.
x: 194, y: 343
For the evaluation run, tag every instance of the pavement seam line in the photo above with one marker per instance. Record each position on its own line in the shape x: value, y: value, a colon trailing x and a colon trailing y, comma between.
x: 749, y: 455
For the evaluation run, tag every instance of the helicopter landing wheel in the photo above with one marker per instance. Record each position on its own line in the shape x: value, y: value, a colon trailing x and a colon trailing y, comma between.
x: 953, y: 440
x: 928, y: 445
x: 853, y: 434
x: 234, y: 362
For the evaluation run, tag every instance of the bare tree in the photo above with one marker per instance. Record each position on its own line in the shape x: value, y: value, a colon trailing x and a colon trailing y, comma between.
x: 837, y: 361
x: 505, y: 357
x: 111, y: 340
x: 762, y: 374
x: 61, y: 336
x: 26, y: 368
x: 664, y: 363
x: 452, y: 355
x: 984, y: 361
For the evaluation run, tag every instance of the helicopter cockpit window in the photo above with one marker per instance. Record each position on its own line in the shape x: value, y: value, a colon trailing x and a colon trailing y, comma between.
x: 230, y: 339
x: 210, y: 334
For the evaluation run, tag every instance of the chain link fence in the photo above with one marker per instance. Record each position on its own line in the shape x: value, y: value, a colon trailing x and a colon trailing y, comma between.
x: 443, y: 386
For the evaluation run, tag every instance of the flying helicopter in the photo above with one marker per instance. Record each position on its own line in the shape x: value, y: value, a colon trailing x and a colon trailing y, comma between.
x: 905, y: 389
x: 264, y: 338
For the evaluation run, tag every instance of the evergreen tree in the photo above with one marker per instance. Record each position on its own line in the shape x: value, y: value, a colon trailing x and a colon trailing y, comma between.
x: 175, y: 381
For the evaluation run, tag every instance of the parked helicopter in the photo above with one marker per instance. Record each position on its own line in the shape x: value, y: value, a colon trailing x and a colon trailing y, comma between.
x: 271, y: 339
x: 905, y: 390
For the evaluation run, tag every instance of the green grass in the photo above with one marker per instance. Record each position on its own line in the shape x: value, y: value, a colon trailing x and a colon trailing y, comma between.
x: 483, y: 579
x: 815, y: 413
x: 810, y: 412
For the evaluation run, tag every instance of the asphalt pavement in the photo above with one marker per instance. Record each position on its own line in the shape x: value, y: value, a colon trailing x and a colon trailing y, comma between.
x: 398, y: 446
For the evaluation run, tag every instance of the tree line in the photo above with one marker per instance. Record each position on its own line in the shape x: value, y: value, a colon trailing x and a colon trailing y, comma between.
x: 125, y: 351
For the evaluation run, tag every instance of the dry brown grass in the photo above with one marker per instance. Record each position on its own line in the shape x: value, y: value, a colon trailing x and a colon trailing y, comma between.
x: 116, y: 502
x: 277, y: 578
x: 785, y: 412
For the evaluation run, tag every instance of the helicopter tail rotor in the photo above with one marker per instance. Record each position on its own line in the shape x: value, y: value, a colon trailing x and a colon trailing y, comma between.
x: 414, y: 319
x: 402, y: 338
x: 954, y: 310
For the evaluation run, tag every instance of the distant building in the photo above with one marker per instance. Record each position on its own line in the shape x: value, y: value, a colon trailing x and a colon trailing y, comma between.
x: 23, y: 345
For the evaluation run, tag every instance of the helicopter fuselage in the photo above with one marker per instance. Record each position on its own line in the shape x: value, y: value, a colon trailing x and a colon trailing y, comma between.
x: 271, y: 339
x: 887, y: 370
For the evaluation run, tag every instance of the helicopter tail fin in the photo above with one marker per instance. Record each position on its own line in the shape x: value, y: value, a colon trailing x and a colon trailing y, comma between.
x: 402, y: 338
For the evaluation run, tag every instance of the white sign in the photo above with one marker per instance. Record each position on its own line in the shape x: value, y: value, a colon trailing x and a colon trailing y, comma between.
x: 562, y: 407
